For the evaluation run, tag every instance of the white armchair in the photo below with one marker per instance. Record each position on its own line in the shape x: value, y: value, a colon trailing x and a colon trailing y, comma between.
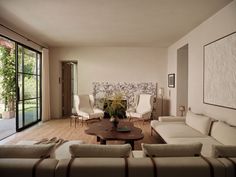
x: 84, y: 106
x: 143, y: 109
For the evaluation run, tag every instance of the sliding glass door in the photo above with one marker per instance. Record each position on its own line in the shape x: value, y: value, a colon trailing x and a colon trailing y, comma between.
x: 29, y: 86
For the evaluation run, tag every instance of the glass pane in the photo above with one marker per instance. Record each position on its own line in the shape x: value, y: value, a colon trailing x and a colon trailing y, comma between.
x: 20, y: 86
x: 30, y: 86
x: 29, y: 61
x: 20, y: 115
x: 38, y: 62
x: 20, y: 50
x: 30, y: 111
x: 38, y: 109
x: 38, y: 86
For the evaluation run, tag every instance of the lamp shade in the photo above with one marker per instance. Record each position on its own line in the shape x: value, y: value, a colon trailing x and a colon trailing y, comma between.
x: 181, y: 108
x: 161, y: 91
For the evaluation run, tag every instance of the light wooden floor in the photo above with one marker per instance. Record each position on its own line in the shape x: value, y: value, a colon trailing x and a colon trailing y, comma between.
x: 61, y: 128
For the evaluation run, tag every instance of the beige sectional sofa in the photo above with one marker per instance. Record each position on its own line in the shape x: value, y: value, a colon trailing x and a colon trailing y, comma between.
x: 118, y: 167
x: 75, y: 159
x: 195, y: 128
x: 159, y: 161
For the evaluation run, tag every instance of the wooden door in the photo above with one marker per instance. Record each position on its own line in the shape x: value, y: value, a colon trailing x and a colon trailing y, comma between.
x: 66, y: 89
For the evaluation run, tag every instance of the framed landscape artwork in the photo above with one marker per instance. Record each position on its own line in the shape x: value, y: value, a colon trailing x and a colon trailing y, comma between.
x: 219, y: 67
x: 171, y: 80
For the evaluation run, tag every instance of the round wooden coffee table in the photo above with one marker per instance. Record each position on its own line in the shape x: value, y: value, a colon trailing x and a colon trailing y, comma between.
x: 105, y: 132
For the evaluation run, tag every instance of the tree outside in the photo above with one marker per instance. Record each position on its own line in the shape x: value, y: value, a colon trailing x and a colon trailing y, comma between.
x: 8, y: 77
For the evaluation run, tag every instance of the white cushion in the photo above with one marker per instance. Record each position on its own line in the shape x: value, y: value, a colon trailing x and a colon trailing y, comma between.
x: 172, y: 150
x: 60, y: 152
x: 94, y: 150
x: 223, y: 151
x: 137, y: 154
x: 84, y: 104
x: 135, y: 114
x: 26, y: 151
x: 207, y: 143
x: 198, y: 122
x: 144, y: 104
x: 224, y: 133
x: 176, y: 130
x: 97, y: 113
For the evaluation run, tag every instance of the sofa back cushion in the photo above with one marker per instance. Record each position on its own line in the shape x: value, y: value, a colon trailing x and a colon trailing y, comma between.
x: 223, y: 151
x: 224, y: 133
x: 26, y: 151
x: 95, y: 150
x: 199, y: 122
x: 172, y: 150
x: 144, y: 103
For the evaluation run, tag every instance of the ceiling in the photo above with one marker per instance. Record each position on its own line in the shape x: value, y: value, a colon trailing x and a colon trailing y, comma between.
x: 107, y: 22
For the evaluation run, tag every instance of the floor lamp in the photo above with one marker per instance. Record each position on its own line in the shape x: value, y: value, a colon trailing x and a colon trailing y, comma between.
x: 161, y: 94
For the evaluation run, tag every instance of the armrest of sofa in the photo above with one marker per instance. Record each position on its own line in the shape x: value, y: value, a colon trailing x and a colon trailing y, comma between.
x: 171, y: 119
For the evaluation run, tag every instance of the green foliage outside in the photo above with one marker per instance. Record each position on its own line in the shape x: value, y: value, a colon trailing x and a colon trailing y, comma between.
x: 7, y: 74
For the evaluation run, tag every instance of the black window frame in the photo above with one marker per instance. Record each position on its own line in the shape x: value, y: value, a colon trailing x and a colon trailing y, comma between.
x: 38, y: 98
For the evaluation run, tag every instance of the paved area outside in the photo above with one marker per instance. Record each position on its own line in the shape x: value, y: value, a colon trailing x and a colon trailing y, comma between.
x: 7, y: 127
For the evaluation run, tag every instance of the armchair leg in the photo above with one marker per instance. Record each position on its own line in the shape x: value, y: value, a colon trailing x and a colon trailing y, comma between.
x: 82, y: 122
x: 71, y: 121
x: 143, y: 121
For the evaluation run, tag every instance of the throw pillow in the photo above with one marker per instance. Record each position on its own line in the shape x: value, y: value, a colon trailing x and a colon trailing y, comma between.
x: 198, y: 122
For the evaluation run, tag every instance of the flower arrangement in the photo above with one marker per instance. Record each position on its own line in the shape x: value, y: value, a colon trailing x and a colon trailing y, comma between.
x: 115, y: 105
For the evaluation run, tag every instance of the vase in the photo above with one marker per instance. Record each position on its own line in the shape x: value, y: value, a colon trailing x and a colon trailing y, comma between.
x: 115, y: 122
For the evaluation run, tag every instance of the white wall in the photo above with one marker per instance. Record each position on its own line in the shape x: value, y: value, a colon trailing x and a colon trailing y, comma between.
x: 182, y: 78
x: 219, y: 25
x: 112, y: 64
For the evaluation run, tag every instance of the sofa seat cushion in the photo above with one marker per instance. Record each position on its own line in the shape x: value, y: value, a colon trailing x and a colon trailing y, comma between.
x: 176, y: 130
x: 137, y: 154
x: 172, y: 150
x: 207, y: 143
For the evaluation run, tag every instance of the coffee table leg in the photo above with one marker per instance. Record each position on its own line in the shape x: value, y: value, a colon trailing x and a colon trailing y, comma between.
x: 102, y: 141
x: 98, y: 139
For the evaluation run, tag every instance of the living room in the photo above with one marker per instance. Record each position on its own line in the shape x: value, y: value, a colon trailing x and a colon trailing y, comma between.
x: 119, y: 44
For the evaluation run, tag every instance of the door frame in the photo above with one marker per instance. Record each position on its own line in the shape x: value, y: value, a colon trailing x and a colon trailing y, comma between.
x: 61, y: 80
x: 39, y: 117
